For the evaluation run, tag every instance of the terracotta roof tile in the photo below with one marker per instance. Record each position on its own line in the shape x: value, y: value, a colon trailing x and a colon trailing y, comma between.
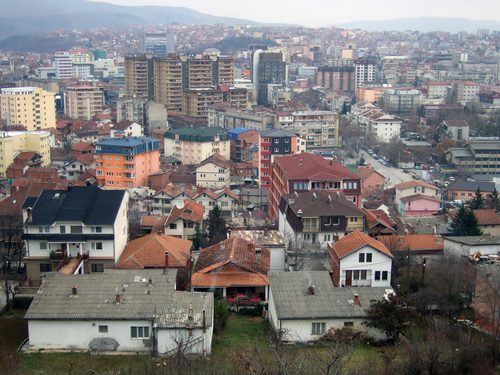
x: 191, y: 211
x: 233, y: 264
x: 413, y: 183
x: 354, y: 241
x: 149, y: 251
x: 484, y: 217
x: 413, y: 242
x: 364, y: 173
x: 157, y: 223
x: 218, y: 160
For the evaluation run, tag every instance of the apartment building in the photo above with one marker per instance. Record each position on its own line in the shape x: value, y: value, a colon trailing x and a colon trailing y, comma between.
x: 338, y: 78
x: 124, y: 162
x: 458, y: 130
x: 402, y: 102
x: 193, y: 145
x: 276, y: 142
x: 164, y: 79
x: 138, y: 76
x: 12, y: 143
x: 241, y: 141
x: 63, y: 65
x: 364, y: 71
x: 465, y: 91
x: 226, y: 115
x: 310, y: 172
x: 83, y: 101
x: 436, y: 89
x: 32, y: 107
x: 267, y: 68
x: 476, y: 157
x: 195, y: 102
x: 320, y: 129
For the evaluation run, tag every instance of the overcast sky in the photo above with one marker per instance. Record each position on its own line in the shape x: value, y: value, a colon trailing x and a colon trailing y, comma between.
x: 314, y: 13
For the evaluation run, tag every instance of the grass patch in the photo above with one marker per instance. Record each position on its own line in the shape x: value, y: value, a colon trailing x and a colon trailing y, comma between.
x: 352, y: 168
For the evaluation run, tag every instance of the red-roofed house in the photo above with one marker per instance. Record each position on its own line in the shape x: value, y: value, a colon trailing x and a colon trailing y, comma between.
x: 309, y: 172
x: 183, y: 219
x: 150, y: 252
x: 75, y: 168
x: 82, y: 148
x: 487, y: 219
x: 417, y: 198
x: 214, y: 172
x: 235, y: 266
x: 360, y: 260
x: 371, y: 180
x: 379, y: 223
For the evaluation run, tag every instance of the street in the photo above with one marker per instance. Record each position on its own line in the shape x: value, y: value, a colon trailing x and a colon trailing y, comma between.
x: 393, y: 176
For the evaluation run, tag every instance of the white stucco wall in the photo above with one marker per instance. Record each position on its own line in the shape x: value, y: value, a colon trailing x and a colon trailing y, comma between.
x: 456, y: 249
x: 277, y: 258
x: 121, y: 228
x: 380, y: 262
x: 77, y: 334
x: 167, y: 340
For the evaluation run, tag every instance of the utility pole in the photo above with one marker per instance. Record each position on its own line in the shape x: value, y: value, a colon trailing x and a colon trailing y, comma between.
x: 423, y: 272
x: 408, y: 273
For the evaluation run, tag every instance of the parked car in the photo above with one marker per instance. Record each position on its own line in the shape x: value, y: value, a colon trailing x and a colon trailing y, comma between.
x: 415, y: 177
x: 243, y: 299
x: 406, y: 170
x: 426, y: 167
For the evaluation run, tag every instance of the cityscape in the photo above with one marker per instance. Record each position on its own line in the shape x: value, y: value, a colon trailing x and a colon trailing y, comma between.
x: 213, y: 195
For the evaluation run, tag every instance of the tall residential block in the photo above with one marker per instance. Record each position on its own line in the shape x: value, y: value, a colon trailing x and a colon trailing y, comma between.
x: 63, y: 65
x: 83, y: 101
x: 124, y: 162
x: 12, y: 143
x: 139, y: 76
x: 338, y: 78
x: 195, y: 102
x: 267, y: 68
x: 159, y: 43
x: 364, y: 72
x: 32, y: 107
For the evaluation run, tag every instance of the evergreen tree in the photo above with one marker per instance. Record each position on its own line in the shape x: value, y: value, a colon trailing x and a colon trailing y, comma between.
x: 477, y: 202
x: 494, y: 201
x: 199, y: 238
x: 217, y: 226
x: 465, y: 223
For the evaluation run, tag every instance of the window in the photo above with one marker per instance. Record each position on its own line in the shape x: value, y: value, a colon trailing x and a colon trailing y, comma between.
x: 276, y: 140
x: 44, y: 245
x: 45, y: 267
x: 98, y: 267
x: 368, y: 257
x: 300, y: 186
x: 139, y: 332
x: 348, y: 324
x: 327, y: 221
x: 96, y: 229
x: 336, y: 221
x: 377, y: 275
x: 43, y: 229
x: 96, y: 245
x: 318, y: 328
x: 423, y: 189
x: 76, y: 229
x: 361, y: 257
x: 62, y: 229
x: 384, y: 275
x: 276, y: 149
x: 327, y: 237
x: 103, y: 329
x: 353, y: 219
x: 173, y: 226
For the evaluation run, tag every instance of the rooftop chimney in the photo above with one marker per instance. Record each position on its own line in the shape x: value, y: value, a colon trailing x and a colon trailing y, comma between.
x: 150, y: 280
x: 223, y: 245
x: 74, y: 291
x: 166, y: 259
x: 356, y: 300
x: 310, y: 290
x: 299, y: 213
x: 250, y: 247
x: 258, y: 254
x: 118, y: 298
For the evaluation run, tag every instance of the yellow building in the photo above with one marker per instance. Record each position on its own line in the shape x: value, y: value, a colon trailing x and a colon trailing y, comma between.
x: 13, y: 142
x: 32, y: 107
x: 83, y: 101
x: 195, y: 102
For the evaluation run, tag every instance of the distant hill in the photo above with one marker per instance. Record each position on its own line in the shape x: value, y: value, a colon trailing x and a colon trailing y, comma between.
x: 423, y: 24
x: 21, y: 17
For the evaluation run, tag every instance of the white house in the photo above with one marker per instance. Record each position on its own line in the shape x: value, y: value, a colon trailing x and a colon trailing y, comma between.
x: 181, y: 221
x: 79, y: 230
x: 77, y: 167
x: 130, y: 128
x: 469, y: 245
x: 306, y: 305
x: 213, y: 172
x: 360, y: 260
x: 120, y: 311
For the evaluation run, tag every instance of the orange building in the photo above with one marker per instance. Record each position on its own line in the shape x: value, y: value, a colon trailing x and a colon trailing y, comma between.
x: 125, y: 162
